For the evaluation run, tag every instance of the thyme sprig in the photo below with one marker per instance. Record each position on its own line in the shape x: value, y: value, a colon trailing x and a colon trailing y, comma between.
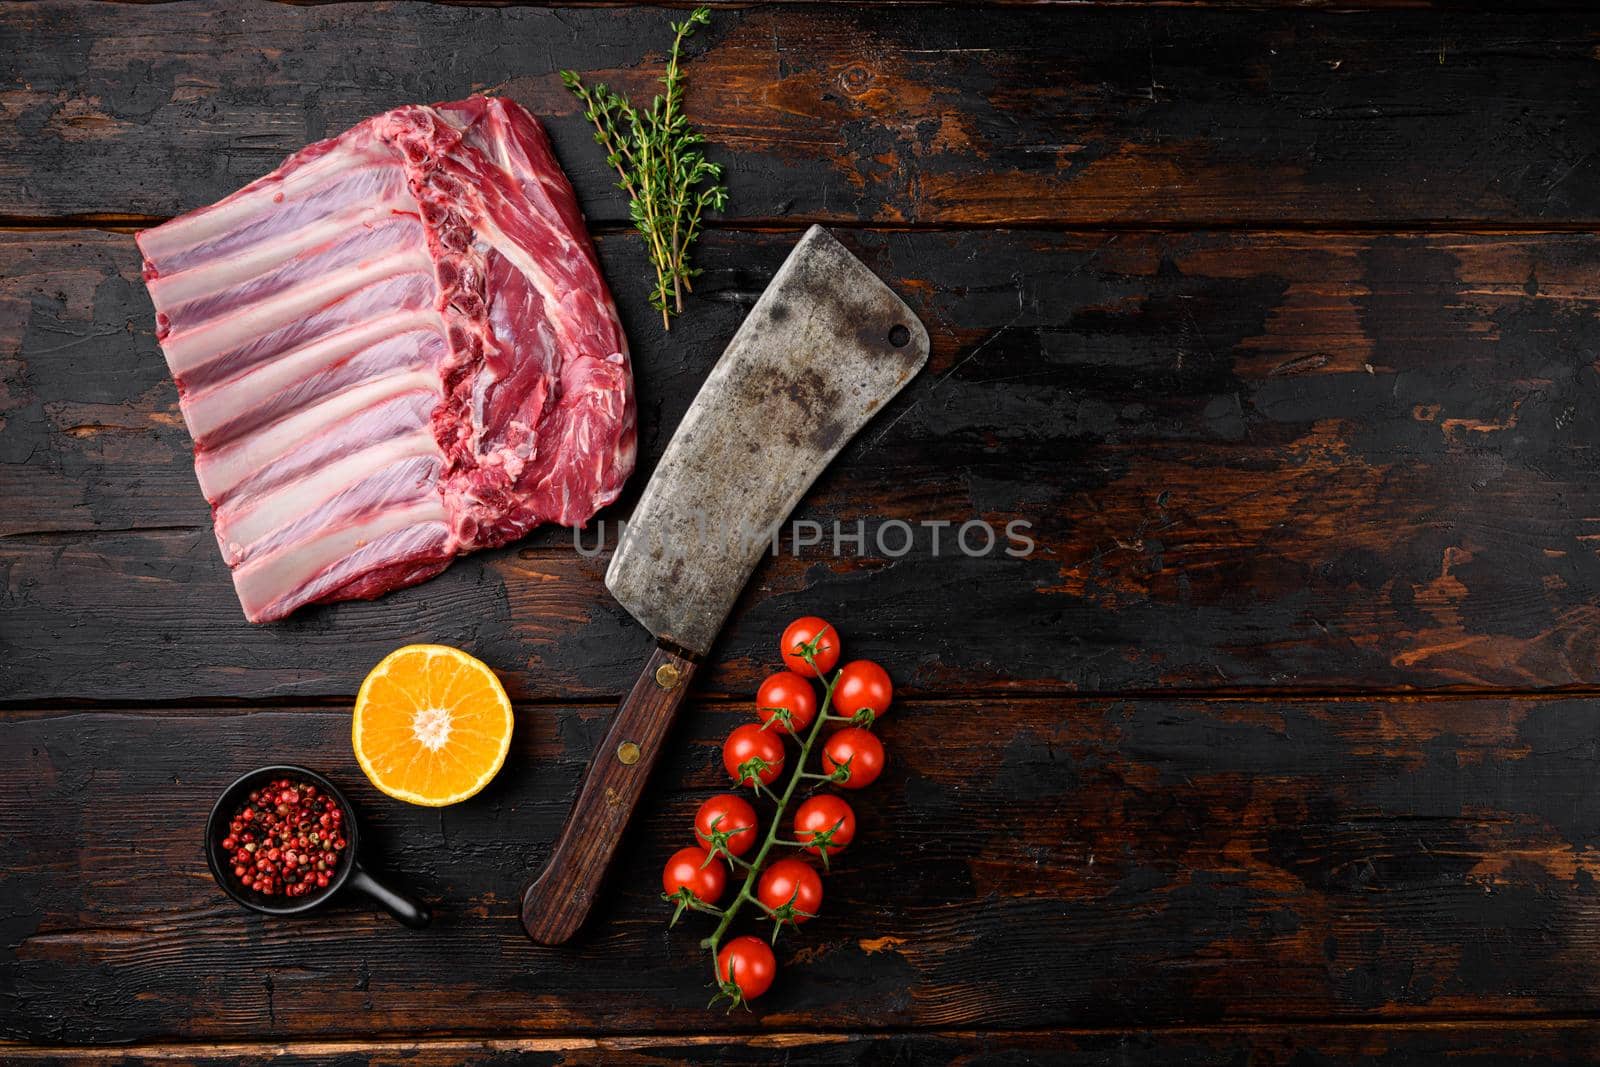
x: 662, y: 168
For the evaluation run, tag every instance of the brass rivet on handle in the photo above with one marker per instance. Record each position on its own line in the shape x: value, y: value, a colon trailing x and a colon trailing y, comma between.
x: 667, y: 676
x: 628, y: 753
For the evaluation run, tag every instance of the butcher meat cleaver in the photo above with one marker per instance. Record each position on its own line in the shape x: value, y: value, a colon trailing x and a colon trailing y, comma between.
x: 825, y: 348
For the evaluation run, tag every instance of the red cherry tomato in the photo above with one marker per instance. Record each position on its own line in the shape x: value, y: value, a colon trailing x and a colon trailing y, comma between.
x: 688, y: 868
x: 862, y: 684
x: 821, y: 813
x: 803, y: 631
x: 859, y: 750
x: 791, y: 881
x: 727, y: 812
x: 751, y: 964
x: 787, y: 689
x: 749, y: 742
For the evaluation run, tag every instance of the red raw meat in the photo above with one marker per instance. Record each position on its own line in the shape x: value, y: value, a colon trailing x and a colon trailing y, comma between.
x: 395, y: 348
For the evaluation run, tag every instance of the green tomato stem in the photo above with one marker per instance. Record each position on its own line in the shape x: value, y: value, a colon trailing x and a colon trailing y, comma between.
x: 746, y: 893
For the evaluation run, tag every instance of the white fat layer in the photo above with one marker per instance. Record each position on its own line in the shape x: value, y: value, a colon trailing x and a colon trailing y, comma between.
x: 192, y: 349
x: 225, y: 468
x: 216, y: 275
x: 207, y: 410
x: 197, y: 227
x: 244, y: 522
x: 262, y: 580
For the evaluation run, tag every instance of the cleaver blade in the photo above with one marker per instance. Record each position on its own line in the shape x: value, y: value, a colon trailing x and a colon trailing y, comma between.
x: 822, y: 351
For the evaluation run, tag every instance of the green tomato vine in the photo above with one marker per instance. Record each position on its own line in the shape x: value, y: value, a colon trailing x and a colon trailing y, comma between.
x: 785, y: 914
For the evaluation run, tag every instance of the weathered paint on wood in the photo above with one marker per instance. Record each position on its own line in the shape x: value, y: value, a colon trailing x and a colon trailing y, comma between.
x: 1277, y: 459
x: 851, y: 112
x: 1020, y: 864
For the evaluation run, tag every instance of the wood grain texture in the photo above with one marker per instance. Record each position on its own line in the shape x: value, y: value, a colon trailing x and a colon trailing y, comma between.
x: 1386, y: 1045
x: 900, y: 114
x: 1133, y: 863
x: 1259, y: 452
x: 1312, y: 460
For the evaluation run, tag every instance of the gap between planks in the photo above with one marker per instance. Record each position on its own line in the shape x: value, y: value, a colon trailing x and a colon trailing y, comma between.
x: 120, y: 223
x: 1333, y: 7
x: 315, y: 704
x: 778, y: 1040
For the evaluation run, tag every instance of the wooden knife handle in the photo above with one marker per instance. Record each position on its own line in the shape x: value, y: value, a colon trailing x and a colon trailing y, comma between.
x: 557, y: 902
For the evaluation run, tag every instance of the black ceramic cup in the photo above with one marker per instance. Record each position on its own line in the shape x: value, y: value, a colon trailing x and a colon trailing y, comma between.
x: 350, y: 874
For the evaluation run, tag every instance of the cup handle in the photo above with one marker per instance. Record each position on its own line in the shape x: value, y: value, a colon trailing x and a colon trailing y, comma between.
x: 413, y: 913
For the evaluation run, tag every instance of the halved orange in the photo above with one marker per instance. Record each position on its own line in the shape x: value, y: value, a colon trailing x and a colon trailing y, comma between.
x: 432, y: 725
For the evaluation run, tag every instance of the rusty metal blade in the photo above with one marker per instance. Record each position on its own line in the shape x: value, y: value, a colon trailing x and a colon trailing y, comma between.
x: 826, y: 347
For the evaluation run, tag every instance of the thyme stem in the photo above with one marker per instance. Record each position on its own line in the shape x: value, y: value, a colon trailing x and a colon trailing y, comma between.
x: 662, y: 168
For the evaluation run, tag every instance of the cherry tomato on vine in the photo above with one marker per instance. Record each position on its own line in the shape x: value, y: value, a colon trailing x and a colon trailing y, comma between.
x: 749, y: 742
x: 859, y: 750
x: 752, y: 965
x: 820, y: 814
x: 804, y: 631
x: 791, y: 882
x: 727, y: 812
x: 862, y: 684
x: 688, y: 869
x: 787, y: 689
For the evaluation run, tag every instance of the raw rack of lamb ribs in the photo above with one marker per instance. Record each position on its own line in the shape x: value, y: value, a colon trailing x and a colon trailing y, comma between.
x: 395, y: 348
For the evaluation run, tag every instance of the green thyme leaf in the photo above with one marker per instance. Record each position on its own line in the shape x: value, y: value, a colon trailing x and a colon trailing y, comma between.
x: 669, y: 183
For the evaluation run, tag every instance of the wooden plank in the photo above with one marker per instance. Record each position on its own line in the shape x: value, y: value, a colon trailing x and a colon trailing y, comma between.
x: 852, y: 112
x: 1021, y: 864
x: 1314, y: 460
x: 1532, y: 1041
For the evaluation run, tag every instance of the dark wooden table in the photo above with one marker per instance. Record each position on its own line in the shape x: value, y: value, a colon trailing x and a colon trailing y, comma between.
x: 1278, y: 326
